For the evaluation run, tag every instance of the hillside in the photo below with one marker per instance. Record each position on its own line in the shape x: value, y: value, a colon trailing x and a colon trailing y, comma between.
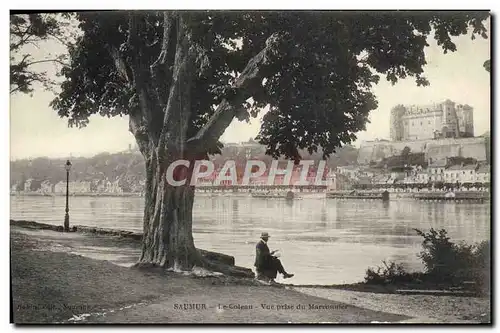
x: 128, y: 167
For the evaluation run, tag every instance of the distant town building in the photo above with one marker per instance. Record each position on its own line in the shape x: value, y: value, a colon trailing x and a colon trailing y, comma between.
x: 331, y: 180
x: 31, y: 185
x: 100, y: 187
x: 113, y: 187
x: 453, y: 174
x: 79, y: 187
x: 349, y: 171
x: 381, y: 179
x: 422, y: 177
x: 27, y: 185
x: 73, y: 187
x: 46, y: 187
x: 441, y: 120
x: 483, y: 174
x: 137, y: 187
x: 436, y: 170
x: 60, y: 187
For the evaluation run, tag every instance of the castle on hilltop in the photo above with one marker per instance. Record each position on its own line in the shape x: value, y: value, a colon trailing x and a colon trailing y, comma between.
x: 435, y: 121
x: 438, y: 131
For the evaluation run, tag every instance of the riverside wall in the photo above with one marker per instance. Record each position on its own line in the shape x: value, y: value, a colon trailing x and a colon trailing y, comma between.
x: 435, y: 149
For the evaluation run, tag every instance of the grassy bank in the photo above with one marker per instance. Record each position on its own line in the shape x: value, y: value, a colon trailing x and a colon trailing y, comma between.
x: 50, y: 287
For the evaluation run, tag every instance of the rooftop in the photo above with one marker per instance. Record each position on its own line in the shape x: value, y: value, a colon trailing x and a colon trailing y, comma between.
x: 462, y: 167
x: 364, y: 181
x: 438, y: 164
x: 483, y: 169
x: 348, y: 167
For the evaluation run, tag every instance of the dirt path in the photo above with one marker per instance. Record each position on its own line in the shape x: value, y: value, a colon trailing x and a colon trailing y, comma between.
x: 423, y: 308
x: 50, y: 285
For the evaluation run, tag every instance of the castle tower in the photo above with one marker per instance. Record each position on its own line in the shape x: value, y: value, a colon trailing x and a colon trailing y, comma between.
x: 461, y: 119
x: 449, y: 122
x: 397, y: 130
x: 468, y: 116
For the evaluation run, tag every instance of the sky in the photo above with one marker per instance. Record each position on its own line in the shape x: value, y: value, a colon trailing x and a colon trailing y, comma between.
x: 36, y: 129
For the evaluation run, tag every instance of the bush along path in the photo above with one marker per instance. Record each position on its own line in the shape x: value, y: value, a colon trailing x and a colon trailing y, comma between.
x: 451, y: 267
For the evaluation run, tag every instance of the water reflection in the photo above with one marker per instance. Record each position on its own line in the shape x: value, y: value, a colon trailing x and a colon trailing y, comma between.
x: 323, y: 215
x: 322, y: 240
x: 386, y: 205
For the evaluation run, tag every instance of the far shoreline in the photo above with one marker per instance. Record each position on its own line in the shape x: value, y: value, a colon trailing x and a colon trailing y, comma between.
x: 440, y: 196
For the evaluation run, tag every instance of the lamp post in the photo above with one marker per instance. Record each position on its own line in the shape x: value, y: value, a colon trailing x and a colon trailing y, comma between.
x: 67, y: 166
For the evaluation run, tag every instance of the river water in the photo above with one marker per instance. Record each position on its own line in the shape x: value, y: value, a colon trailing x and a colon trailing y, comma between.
x: 322, y: 241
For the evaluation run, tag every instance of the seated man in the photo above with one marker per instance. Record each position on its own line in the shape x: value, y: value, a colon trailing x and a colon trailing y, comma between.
x: 266, y: 264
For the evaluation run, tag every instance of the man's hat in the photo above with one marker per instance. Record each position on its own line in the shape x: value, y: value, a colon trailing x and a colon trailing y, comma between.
x: 264, y: 234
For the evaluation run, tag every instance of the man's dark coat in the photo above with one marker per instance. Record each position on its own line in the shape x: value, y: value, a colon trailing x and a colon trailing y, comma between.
x: 263, y: 256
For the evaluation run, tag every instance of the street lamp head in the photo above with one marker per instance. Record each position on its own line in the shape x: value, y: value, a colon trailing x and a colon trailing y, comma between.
x: 67, y: 166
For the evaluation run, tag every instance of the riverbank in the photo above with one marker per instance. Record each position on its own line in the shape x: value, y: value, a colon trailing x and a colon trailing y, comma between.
x: 31, y: 248
x: 83, y: 194
x: 459, y: 196
x: 201, y: 193
x: 51, y: 284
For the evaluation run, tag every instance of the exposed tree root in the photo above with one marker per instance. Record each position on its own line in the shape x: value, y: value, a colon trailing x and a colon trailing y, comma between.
x: 235, y: 271
x: 212, y: 261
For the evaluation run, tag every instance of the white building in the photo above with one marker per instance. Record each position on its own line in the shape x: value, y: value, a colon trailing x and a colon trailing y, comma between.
x: 422, y: 176
x: 483, y: 174
x: 101, y: 186
x: 46, y: 187
x: 460, y: 174
x: 468, y: 174
x: 436, y: 171
x: 79, y: 187
x: 73, y: 187
x: 351, y: 171
x: 60, y: 187
x: 27, y: 185
x: 113, y: 187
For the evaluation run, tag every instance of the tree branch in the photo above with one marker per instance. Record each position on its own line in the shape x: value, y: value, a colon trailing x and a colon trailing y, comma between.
x: 151, y: 111
x: 230, y: 107
x: 46, y: 60
x: 178, y: 109
x: 139, y: 130
x: 60, y: 40
x: 26, y: 56
x: 161, y: 69
x: 25, y: 85
x: 120, y: 64
x: 22, y: 39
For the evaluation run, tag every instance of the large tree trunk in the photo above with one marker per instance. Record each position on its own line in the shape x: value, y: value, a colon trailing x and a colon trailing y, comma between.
x: 160, y: 123
x: 168, y: 218
x: 168, y: 239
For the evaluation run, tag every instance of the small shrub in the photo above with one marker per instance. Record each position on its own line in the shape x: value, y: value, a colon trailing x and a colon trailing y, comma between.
x: 448, y: 262
x: 390, y: 273
x: 445, y: 263
x: 482, y: 266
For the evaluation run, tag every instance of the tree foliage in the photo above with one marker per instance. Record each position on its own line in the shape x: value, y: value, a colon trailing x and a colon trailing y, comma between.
x: 450, y: 261
x: 316, y: 78
x: 31, y: 30
x: 487, y: 65
x: 446, y: 264
x: 406, y: 151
